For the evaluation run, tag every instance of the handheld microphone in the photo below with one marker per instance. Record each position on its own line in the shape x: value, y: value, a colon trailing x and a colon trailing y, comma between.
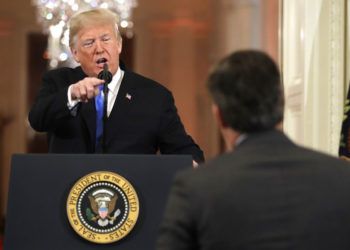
x: 105, y: 74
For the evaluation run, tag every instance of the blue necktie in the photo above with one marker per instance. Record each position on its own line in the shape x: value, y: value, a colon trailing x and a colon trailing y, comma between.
x: 99, y: 99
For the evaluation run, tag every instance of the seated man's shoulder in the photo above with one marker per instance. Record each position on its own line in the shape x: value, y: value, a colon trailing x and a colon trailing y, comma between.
x: 326, y: 160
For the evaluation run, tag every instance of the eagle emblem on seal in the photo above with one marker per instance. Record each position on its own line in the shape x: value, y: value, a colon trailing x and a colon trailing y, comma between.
x: 102, y: 203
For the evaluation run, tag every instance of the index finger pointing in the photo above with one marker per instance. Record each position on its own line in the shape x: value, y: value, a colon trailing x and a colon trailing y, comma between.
x: 97, y: 82
x: 94, y: 82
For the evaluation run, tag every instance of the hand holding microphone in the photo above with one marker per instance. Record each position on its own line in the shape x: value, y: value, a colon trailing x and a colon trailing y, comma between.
x: 86, y: 89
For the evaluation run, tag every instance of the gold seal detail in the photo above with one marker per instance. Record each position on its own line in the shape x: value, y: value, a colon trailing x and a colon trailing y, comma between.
x: 102, y: 207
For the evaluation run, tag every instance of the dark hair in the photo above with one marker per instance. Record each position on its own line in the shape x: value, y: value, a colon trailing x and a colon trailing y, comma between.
x: 247, y: 88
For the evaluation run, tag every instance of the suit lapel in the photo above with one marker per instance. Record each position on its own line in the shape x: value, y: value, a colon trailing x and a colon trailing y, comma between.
x: 124, y: 98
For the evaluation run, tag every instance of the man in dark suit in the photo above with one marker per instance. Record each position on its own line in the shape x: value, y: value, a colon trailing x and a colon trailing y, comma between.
x: 266, y: 192
x: 142, y: 117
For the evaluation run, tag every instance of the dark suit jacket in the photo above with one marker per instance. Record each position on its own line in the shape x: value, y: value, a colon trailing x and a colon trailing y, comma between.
x: 143, y: 124
x: 267, y: 194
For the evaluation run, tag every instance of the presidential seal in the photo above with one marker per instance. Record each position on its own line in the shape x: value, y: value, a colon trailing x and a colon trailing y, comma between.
x: 102, y: 207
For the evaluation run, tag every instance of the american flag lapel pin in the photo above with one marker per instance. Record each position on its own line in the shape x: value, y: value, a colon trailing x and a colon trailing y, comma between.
x: 128, y: 96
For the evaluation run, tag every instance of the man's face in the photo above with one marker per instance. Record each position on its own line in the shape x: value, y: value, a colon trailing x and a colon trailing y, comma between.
x: 95, y: 46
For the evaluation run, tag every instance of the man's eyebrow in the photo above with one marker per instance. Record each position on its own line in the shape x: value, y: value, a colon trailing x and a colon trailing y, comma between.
x: 88, y: 39
x: 104, y: 35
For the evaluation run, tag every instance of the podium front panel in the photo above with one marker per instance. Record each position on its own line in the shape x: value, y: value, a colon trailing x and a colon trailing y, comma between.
x: 40, y: 184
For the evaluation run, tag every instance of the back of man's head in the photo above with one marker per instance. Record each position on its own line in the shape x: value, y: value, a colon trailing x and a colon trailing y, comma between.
x: 246, y: 87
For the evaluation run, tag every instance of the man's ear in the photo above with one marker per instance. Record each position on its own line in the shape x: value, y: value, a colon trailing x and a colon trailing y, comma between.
x: 218, y: 116
x: 120, y: 45
x: 75, y: 54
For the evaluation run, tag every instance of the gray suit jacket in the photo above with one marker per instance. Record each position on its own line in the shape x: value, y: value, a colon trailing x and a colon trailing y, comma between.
x: 267, y: 194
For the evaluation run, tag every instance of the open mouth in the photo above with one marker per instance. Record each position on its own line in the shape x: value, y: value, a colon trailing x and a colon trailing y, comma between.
x: 101, y: 61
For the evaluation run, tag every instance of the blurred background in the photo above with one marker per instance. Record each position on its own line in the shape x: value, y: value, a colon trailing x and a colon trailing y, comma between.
x: 176, y: 43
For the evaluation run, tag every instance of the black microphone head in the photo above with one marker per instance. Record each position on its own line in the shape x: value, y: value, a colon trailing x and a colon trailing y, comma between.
x: 105, y: 67
x: 105, y: 74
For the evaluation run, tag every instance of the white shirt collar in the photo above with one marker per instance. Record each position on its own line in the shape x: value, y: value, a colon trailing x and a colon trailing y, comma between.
x: 114, y: 85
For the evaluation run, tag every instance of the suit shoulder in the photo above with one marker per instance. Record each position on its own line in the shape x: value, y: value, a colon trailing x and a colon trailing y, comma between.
x: 146, y: 83
x: 324, y: 159
x: 61, y: 71
x: 65, y: 72
x: 64, y: 75
x: 297, y: 158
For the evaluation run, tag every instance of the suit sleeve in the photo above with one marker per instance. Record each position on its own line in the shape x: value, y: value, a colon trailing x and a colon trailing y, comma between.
x: 177, y: 230
x: 50, y: 107
x: 173, y: 138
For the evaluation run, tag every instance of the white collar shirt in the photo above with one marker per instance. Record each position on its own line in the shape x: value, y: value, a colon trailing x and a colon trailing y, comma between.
x: 113, y: 89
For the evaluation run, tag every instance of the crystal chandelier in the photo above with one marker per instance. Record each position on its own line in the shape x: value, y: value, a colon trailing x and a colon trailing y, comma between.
x: 54, y: 15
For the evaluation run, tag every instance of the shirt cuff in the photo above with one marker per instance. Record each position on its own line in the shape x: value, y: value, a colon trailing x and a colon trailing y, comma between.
x: 71, y: 103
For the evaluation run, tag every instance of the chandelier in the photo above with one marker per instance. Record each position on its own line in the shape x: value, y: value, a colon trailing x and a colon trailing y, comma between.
x: 53, y: 15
